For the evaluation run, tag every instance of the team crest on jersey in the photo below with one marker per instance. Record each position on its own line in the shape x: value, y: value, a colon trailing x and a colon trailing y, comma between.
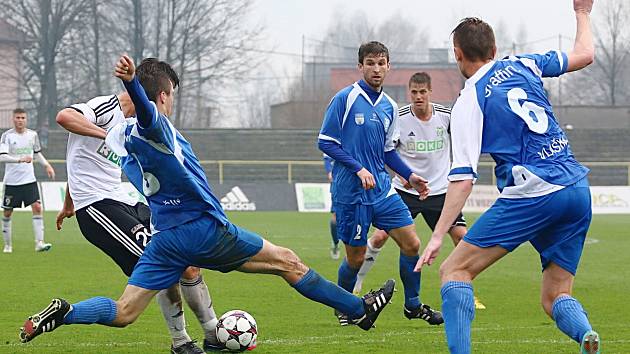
x: 439, y: 131
x: 359, y: 118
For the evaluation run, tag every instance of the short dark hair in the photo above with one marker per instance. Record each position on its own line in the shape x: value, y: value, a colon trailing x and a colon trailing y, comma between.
x: 18, y: 110
x: 475, y: 38
x: 374, y: 48
x: 156, y: 76
x: 420, y: 78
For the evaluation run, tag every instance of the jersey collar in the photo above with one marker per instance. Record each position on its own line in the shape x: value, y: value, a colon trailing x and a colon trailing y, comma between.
x: 359, y: 86
x: 480, y: 73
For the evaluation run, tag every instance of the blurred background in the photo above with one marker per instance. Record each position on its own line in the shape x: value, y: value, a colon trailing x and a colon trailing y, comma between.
x: 257, y: 75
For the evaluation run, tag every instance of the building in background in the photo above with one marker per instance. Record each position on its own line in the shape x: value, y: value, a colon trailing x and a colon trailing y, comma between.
x: 320, y: 81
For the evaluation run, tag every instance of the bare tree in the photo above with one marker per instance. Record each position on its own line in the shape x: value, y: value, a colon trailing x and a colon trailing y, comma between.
x: 605, y: 82
x: 45, y: 24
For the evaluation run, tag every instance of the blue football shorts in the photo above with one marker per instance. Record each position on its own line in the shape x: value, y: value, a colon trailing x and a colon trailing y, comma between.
x: 555, y: 224
x: 203, y: 242
x: 354, y: 220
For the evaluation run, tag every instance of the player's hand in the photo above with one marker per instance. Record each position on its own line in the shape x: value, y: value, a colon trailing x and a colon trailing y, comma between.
x: 64, y: 213
x: 26, y: 159
x: 125, y: 68
x: 50, y: 171
x: 584, y: 6
x: 405, y: 183
x: 329, y: 176
x: 420, y: 184
x: 430, y: 252
x: 367, y: 180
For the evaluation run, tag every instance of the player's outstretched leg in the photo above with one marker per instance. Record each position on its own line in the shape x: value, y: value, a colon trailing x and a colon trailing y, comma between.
x: 282, y: 261
x: 99, y: 310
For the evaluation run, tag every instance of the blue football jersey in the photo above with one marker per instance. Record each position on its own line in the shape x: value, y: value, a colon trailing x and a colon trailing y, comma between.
x: 365, y: 131
x: 161, y: 164
x: 503, y: 111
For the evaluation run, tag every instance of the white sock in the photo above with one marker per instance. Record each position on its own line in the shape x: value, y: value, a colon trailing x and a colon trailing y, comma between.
x: 6, y: 231
x: 38, y: 228
x: 198, y: 299
x: 170, y: 302
x: 368, y: 262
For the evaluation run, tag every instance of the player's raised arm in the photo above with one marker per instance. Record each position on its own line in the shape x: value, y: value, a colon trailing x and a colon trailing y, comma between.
x: 146, y: 111
x: 74, y: 122
x: 583, y: 52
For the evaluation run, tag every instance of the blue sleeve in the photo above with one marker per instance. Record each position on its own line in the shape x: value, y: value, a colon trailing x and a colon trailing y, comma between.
x: 397, y: 165
x: 331, y: 128
x: 335, y: 152
x: 151, y: 124
x: 328, y: 164
x: 551, y: 64
x: 146, y: 112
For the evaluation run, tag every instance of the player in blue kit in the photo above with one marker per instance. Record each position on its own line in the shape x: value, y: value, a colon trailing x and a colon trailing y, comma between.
x: 544, y: 192
x: 359, y: 132
x: 189, y: 226
x: 334, y: 248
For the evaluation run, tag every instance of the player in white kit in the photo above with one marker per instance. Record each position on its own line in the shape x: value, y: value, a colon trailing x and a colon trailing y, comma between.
x: 19, y: 146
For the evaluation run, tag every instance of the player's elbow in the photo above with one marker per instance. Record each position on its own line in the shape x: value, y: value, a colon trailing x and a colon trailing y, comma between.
x: 63, y: 117
x: 580, y: 60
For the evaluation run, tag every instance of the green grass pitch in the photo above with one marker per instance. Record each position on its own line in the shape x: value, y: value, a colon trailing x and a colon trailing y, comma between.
x: 512, y: 323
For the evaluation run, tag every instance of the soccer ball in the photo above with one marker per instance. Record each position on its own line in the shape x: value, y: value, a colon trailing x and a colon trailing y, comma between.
x: 237, y: 330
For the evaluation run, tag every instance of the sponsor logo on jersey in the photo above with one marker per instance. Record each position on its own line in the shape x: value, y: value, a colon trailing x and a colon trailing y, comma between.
x: 499, y: 77
x: 359, y: 119
x: 411, y: 134
x: 235, y: 199
x: 108, y: 154
x: 24, y: 151
x: 424, y: 146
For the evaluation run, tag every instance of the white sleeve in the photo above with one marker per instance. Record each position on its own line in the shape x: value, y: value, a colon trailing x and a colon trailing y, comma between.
x: 466, y: 133
x: 4, y: 146
x: 99, y: 110
x: 393, y: 133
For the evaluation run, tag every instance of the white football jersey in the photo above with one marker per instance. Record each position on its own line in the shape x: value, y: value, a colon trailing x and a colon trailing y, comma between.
x: 93, y: 169
x: 19, y: 145
x: 425, y: 147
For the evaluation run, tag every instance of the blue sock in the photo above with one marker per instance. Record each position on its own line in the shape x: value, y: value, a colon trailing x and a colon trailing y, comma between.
x: 458, y: 309
x: 95, y: 310
x: 333, y: 231
x: 410, y: 280
x: 316, y: 288
x: 347, y: 276
x: 570, y: 317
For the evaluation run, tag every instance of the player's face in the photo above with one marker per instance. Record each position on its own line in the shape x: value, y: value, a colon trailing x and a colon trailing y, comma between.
x: 420, y: 95
x: 19, y: 121
x: 374, y: 69
x: 168, y: 99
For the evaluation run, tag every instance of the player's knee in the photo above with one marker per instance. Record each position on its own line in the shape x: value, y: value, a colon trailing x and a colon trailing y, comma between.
x: 36, y: 207
x: 290, y: 262
x: 191, y: 273
x: 410, y: 247
x: 125, y: 314
x: 378, y: 239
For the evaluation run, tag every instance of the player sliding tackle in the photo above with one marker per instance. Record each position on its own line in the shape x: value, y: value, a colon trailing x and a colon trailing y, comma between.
x: 191, y: 227
x: 545, y: 198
